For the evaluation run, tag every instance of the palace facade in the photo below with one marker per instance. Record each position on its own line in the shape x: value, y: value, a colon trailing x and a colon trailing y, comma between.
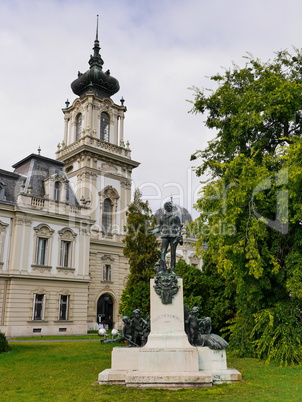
x: 62, y: 220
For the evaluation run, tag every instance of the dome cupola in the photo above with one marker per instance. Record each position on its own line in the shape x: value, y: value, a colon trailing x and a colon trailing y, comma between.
x: 95, y: 80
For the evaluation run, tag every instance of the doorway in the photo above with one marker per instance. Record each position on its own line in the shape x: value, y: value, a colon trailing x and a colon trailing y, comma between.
x: 105, y: 310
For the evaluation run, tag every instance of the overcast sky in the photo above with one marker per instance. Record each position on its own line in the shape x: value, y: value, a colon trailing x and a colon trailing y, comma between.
x: 156, y: 49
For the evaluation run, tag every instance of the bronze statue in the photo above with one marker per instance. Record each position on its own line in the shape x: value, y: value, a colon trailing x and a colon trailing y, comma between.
x: 169, y: 227
x: 139, y: 326
x: 193, y: 326
x: 135, y: 331
x: 199, y: 331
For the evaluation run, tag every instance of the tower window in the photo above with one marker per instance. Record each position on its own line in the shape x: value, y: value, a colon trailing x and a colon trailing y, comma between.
x: 105, y: 126
x: 78, y: 126
x: 107, y: 216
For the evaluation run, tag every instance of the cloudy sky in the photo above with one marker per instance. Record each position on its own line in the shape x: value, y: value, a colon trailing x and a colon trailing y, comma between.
x: 156, y: 49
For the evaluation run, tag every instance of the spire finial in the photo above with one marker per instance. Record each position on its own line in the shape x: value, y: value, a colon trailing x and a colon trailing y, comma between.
x: 97, y: 28
x: 39, y: 150
x: 96, y: 59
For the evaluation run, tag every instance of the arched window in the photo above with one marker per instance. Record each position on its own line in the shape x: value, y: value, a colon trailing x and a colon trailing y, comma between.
x: 57, y: 190
x: 78, y: 126
x: 107, y: 216
x: 105, y: 126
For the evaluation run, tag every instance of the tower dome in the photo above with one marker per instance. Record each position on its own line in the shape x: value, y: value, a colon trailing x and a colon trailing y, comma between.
x: 95, y: 80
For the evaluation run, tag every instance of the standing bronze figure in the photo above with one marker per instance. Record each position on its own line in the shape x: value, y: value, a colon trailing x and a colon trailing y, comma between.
x: 169, y: 227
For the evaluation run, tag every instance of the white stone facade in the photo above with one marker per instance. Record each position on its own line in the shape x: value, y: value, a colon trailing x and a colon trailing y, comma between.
x: 62, y: 223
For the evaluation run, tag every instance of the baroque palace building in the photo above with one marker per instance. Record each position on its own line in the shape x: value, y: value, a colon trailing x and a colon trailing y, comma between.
x: 62, y: 267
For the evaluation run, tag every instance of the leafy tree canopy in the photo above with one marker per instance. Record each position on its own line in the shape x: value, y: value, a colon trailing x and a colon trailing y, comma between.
x: 254, y: 109
x: 206, y: 289
x: 250, y: 209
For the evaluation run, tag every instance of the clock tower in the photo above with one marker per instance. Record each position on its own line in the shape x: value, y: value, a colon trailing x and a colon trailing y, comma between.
x: 97, y: 159
x: 98, y: 163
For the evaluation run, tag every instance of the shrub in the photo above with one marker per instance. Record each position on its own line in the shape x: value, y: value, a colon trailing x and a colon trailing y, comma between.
x: 4, y: 346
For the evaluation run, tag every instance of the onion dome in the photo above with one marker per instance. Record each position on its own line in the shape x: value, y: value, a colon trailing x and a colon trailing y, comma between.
x: 95, y: 80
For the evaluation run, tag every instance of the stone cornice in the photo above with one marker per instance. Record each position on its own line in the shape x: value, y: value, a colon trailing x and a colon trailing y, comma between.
x: 99, y: 149
x: 45, y: 278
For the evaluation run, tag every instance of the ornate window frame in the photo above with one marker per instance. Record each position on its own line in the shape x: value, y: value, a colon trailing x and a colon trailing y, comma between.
x: 66, y: 255
x: 111, y: 194
x: 53, y: 193
x: 43, y: 232
x: 107, y: 268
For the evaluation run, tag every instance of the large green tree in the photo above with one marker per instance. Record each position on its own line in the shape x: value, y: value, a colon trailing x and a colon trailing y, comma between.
x: 142, y: 250
x: 206, y: 289
x: 250, y: 209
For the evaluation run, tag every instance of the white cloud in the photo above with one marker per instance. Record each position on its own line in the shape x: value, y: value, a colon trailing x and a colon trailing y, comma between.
x: 156, y: 49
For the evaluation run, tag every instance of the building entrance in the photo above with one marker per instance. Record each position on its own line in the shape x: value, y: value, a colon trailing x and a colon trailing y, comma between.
x: 105, y: 310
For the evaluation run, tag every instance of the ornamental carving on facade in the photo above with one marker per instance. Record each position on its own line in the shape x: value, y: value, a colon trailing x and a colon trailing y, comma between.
x: 21, y: 221
x: 126, y: 184
x: 110, y: 192
x: 108, y: 167
x: 67, y: 234
x: 43, y: 231
x: 107, y: 257
x: 3, y: 227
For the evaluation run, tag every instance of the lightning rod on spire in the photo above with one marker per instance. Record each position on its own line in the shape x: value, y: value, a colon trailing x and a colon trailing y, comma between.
x: 97, y: 28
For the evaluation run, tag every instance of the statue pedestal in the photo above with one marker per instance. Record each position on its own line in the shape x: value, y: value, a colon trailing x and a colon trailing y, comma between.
x: 168, y: 360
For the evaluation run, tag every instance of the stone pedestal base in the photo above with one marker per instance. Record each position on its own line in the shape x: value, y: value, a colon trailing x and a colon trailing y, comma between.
x: 172, y: 380
x: 168, y: 360
x: 170, y: 369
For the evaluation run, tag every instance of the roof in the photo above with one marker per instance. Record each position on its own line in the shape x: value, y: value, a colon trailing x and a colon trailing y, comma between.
x: 31, y: 172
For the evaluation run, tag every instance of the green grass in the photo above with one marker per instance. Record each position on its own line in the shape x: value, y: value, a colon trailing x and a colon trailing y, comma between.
x: 55, y: 337
x: 67, y: 371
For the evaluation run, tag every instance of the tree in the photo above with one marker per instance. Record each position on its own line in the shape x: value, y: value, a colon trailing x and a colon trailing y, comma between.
x: 143, y: 252
x: 206, y: 289
x: 254, y: 110
x: 250, y: 209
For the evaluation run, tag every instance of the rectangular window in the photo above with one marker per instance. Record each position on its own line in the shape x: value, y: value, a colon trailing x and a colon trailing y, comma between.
x: 39, y: 306
x: 41, y: 253
x: 57, y: 190
x: 107, y: 273
x: 65, y: 257
x: 63, y: 307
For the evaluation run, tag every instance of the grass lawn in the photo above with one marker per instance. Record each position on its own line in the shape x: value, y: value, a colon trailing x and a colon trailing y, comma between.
x: 67, y: 371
